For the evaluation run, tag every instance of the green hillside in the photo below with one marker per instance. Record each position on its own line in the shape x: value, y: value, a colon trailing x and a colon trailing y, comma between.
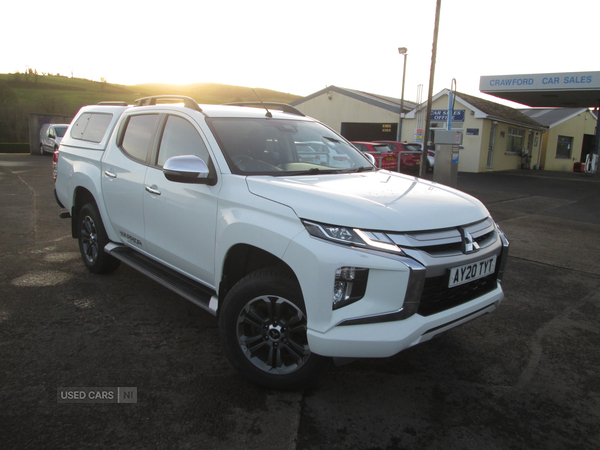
x: 22, y: 94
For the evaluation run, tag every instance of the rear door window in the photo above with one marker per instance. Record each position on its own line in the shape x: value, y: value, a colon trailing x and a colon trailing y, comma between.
x: 138, y: 135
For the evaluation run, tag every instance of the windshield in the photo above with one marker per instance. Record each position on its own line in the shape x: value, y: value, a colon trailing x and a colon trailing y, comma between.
x: 382, y: 148
x: 60, y: 131
x: 413, y: 147
x: 284, y: 147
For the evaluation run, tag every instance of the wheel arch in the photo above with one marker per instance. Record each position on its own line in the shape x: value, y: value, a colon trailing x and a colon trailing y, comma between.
x: 243, y: 259
x: 81, y: 196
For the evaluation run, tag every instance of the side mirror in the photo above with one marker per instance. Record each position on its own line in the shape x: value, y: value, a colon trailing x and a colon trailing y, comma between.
x: 187, y: 169
x: 371, y: 158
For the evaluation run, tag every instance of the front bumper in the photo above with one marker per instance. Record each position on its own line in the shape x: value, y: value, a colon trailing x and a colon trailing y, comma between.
x: 377, y: 325
x: 380, y: 340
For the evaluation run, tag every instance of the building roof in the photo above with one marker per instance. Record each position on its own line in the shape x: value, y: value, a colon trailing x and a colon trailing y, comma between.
x: 551, y: 117
x: 485, y: 109
x: 500, y: 112
x: 388, y: 103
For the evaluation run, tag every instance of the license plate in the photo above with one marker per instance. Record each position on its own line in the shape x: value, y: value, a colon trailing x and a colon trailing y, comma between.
x: 389, y: 158
x: 474, y: 271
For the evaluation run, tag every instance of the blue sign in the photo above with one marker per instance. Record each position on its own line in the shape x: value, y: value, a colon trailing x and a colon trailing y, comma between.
x: 441, y: 115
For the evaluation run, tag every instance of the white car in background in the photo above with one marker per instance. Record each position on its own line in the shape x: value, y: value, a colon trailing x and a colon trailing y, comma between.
x: 50, y: 136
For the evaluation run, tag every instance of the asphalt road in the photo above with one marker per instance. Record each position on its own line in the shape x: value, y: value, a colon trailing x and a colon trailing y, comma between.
x: 525, y: 377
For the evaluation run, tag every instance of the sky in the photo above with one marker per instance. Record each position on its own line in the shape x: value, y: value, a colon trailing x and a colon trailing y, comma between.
x: 300, y: 46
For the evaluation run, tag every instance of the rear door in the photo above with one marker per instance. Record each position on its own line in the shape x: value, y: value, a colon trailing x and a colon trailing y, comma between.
x: 123, y: 172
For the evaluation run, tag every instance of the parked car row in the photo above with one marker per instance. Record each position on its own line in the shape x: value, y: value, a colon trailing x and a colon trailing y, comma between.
x: 397, y: 156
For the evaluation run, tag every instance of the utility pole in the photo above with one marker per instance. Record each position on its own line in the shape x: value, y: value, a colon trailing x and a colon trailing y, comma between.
x: 403, y: 51
x: 438, y: 6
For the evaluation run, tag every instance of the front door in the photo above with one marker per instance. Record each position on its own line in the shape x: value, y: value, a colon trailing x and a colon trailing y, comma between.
x: 180, y: 218
x: 490, y: 159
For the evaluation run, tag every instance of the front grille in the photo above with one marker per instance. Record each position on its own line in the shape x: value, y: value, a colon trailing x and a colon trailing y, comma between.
x: 437, y: 296
x: 446, y: 242
x: 455, y: 247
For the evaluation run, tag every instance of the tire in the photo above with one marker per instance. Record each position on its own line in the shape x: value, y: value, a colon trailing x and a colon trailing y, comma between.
x: 92, y: 240
x: 42, y: 152
x: 262, y: 325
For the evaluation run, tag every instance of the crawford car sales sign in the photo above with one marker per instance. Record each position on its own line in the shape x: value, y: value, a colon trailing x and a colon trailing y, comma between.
x: 548, y: 81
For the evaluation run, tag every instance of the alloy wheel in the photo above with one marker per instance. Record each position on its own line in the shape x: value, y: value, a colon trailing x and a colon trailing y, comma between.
x: 271, y: 332
x: 89, y: 239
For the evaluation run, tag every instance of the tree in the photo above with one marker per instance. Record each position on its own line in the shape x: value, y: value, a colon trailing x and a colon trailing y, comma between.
x: 28, y: 73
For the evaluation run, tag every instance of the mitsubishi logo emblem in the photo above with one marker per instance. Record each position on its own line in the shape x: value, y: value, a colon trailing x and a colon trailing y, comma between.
x: 468, y: 243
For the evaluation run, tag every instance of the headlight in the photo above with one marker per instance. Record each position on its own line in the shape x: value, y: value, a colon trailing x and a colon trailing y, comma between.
x: 352, y: 236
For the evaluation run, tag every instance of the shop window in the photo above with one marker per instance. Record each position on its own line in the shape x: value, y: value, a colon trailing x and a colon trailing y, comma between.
x: 514, y: 143
x: 564, y: 147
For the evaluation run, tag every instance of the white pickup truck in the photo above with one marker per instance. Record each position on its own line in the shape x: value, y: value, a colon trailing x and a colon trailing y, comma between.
x: 305, y: 252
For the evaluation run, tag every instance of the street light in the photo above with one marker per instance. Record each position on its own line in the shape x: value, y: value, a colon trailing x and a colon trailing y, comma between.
x: 402, y: 51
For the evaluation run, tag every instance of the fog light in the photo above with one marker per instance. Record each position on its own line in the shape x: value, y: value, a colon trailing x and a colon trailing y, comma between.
x: 339, y: 292
x: 349, y: 285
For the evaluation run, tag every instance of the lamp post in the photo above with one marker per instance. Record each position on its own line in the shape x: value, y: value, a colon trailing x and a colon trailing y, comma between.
x: 402, y: 51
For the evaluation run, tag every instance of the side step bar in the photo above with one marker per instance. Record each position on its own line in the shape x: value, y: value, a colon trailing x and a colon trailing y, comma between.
x: 189, y: 289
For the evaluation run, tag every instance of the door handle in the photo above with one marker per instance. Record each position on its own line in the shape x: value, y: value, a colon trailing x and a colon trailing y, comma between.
x: 110, y: 174
x: 152, y: 190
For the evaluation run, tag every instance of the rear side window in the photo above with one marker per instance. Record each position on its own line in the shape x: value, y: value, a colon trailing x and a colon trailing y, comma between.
x: 180, y: 138
x: 91, y: 127
x: 138, y: 134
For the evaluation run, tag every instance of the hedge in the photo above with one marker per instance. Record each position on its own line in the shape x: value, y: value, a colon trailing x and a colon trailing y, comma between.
x: 14, y: 148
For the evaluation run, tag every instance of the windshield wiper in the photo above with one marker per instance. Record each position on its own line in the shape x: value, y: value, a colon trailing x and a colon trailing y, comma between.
x: 311, y: 171
x: 361, y: 169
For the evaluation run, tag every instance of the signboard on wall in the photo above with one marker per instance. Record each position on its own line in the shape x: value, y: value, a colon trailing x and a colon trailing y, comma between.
x: 441, y: 115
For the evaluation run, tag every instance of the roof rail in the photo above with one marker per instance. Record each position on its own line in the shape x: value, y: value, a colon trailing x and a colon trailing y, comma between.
x: 113, y: 103
x: 273, y: 105
x: 187, y: 101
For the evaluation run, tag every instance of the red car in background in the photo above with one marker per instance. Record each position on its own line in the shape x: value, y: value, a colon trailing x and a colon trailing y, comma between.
x: 385, y: 158
x: 410, y: 155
